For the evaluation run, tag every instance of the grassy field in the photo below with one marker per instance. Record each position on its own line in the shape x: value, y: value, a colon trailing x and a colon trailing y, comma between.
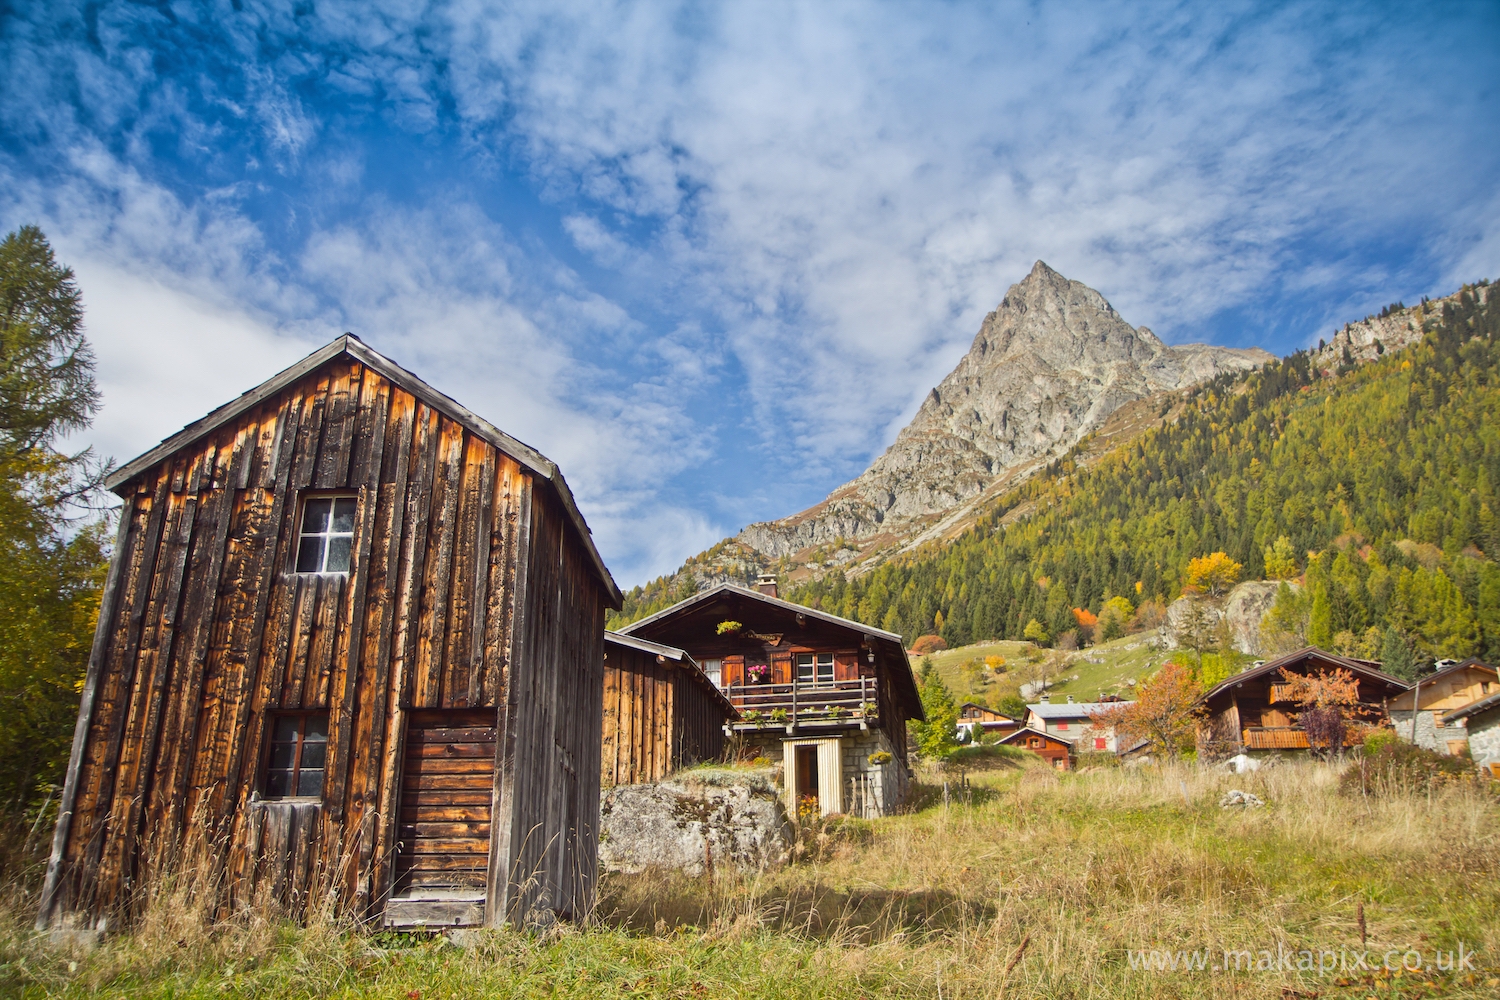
x: 1030, y: 884
x: 1085, y: 674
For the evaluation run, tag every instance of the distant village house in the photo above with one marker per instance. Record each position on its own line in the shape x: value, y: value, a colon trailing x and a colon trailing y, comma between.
x: 1250, y: 711
x: 1420, y: 715
x: 976, y: 720
x: 1073, y: 722
x: 826, y: 698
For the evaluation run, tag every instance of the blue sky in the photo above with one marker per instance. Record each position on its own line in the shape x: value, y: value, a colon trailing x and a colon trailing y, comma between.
x: 710, y: 257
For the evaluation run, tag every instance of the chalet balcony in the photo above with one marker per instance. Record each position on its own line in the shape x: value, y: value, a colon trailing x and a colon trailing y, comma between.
x: 805, y: 704
x: 1286, y: 738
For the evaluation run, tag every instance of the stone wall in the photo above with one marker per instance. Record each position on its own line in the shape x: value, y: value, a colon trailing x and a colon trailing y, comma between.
x: 869, y: 790
x: 1484, y: 737
x: 1429, y: 734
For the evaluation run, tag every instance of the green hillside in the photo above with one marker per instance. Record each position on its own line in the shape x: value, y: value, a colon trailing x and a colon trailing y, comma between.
x: 1381, y: 477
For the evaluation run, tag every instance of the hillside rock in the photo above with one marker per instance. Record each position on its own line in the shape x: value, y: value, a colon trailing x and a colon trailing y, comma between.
x: 695, y: 823
x: 1047, y: 367
x: 1246, y: 606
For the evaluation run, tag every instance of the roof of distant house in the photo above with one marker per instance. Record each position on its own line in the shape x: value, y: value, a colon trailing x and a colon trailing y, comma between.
x: 1074, y: 709
x: 1362, y: 668
x: 1473, y: 708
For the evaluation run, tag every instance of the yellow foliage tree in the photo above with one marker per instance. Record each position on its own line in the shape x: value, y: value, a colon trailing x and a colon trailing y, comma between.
x: 1212, y: 574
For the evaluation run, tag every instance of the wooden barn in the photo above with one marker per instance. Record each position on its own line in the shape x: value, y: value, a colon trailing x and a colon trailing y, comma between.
x: 1247, y: 712
x: 661, y: 712
x: 825, y: 697
x: 351, y: 647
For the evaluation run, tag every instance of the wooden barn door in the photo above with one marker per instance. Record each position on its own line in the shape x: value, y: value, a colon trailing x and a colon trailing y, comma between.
x: 447, y: 786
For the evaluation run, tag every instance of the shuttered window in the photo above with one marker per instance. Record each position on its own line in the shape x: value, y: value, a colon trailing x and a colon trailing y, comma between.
x: 299, y: 755
x: 326, y: 541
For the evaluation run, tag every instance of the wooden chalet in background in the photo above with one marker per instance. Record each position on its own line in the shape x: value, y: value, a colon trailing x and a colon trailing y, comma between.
x: 1050, y: 748
x: 1247, y: 711
x: 661, y: 712
x: 351, y: 641
x: 1419, y: 714
x: 986, y: 720
x: 825, y: 697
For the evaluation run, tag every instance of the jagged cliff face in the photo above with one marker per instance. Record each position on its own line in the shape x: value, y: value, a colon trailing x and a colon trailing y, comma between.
x: 1050, y: 365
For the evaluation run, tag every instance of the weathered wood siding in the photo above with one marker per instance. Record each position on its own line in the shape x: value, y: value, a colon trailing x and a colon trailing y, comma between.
x: 658, y: 717
x: 545, y: 857
x: 207, y: 631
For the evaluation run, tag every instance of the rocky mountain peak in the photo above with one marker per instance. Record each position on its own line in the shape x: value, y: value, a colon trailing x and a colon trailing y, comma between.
x: 1048, y: 366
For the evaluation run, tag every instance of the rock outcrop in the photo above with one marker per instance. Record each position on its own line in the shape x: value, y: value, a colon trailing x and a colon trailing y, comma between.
x: 1246, y: 606
x: 695, y: 822
x: 1047, y: 367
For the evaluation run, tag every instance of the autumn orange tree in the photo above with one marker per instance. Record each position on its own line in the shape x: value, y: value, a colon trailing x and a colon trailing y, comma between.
x: 1330, y: 706
x: 1165, y: 713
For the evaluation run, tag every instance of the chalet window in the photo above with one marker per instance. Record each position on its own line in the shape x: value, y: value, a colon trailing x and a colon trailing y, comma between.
x: 815, y: 668
x: 299, y: 754
x: 327, y: 536
x: 1099, y: 743
x: 1034, y: 742
x: 715, y: 671
x: 1062, y: 726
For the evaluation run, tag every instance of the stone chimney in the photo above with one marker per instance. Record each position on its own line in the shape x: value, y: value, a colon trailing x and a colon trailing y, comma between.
x: 766, y: 584
x: 1070, y: 699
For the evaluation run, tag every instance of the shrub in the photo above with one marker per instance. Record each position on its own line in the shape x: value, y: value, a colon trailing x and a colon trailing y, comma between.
x: 1397, y: 766
x: 928, y: 644
x: 1378, y: 739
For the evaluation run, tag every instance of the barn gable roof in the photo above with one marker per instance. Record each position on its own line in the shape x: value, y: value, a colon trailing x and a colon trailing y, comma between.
x: 680, y: 656
x: 351, y: 346
x: 1360, y: 668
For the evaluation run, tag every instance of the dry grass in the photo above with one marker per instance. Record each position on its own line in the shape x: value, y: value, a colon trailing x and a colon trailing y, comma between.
x: 1081, y: 868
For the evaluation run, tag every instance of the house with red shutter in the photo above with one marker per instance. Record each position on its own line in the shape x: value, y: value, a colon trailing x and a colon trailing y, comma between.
x: 1058, y: 752
x: 1073, y: 722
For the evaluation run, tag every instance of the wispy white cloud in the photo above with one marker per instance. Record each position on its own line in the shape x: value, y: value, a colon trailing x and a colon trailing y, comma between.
x: 772, y: 227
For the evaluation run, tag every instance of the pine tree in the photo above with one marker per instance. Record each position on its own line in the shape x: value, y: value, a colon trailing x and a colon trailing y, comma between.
x: 51, y: 567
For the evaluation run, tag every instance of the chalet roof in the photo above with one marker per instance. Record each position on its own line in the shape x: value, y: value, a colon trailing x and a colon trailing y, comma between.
x: 1427, y: 682
x: 893, y: 643
x: 987, y: 711
x: 680, y: 656
x: 1360, y: 668
x: 1074, y: 709
x: 1024, y: 730
x: 350, y: 345
x: 1473, y: 708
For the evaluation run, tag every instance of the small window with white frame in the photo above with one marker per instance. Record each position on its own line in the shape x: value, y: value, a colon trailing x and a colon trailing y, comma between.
x: 325, y: 543
x: 714, y: 670
x: 815, y: 668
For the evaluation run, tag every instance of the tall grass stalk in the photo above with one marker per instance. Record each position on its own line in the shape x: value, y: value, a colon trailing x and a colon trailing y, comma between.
x: 1082, y: 868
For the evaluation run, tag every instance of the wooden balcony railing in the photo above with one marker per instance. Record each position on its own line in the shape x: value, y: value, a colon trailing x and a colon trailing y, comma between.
x: 1284, y: 738
x: 801, y: 702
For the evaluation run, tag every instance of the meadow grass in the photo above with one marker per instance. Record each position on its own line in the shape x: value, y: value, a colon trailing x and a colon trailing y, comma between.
x: 1100, y: 669
x: 1033, y: 884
